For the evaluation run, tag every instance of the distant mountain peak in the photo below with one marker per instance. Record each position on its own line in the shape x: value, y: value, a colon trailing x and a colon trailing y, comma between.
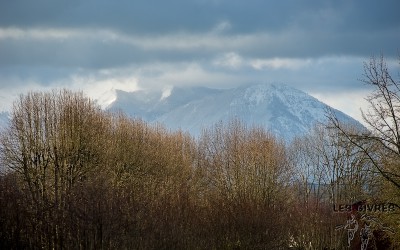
x: 285, y: 111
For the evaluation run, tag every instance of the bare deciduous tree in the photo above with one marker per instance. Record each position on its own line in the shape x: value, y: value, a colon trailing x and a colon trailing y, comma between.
x: 381, y: 142
x: 53, y: 143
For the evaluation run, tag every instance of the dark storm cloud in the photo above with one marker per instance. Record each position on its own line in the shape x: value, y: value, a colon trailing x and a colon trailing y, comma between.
x: 128, y: 16
x: 196, y: 15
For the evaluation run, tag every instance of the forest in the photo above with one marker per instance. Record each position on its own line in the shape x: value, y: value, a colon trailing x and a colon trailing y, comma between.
x: 74, y: 176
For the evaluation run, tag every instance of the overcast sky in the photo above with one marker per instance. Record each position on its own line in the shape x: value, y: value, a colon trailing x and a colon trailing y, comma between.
x: 96, y: 45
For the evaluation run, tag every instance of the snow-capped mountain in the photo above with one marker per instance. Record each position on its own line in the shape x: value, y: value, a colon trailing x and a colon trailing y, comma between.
x: 285, y: 111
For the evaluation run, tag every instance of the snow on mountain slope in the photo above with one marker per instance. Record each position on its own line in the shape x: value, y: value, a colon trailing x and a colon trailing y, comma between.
x: 285, y: 111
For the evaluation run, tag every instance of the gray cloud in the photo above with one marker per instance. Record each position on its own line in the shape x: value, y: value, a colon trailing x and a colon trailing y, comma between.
x: 89, y: 48
x: 153, y: 30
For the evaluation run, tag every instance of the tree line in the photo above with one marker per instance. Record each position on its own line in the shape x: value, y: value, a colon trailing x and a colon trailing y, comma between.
x: 77, y: 177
